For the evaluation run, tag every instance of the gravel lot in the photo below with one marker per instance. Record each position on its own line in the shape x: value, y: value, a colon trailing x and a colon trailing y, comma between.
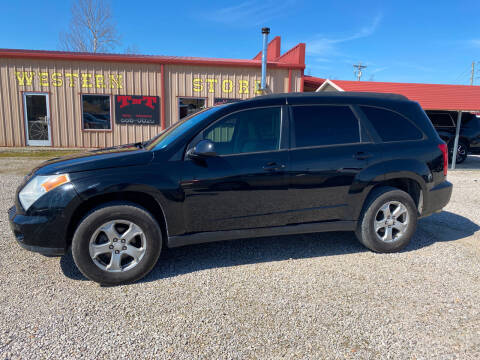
x: 309, y: 296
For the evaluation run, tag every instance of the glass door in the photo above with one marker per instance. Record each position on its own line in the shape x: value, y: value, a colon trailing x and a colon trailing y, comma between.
x: 37, y: 119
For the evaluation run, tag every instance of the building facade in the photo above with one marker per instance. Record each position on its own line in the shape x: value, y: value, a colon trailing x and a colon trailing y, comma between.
x: 78, y: 100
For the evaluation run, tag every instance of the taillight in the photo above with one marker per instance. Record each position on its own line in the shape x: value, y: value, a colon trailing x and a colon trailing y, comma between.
x: 443, y: 148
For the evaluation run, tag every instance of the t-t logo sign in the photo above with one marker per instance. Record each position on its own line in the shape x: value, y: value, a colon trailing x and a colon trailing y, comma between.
x: 126, y: 100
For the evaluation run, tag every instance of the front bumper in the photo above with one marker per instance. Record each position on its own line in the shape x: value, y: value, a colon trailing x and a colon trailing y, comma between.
x: 33, y: 233
x: 437, y: 198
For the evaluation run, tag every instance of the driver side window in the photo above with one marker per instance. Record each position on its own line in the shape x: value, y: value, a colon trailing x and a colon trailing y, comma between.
x: 246, y: 131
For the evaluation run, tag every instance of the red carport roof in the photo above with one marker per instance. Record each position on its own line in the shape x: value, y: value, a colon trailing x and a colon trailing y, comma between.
x: 430, y: 96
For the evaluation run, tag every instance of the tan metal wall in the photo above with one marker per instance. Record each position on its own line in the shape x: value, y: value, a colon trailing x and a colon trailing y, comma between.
x: 137, y: 79
x: 179, y: 82
x: 65, y: 100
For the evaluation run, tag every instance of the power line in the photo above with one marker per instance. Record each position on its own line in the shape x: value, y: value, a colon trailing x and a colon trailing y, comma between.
x: 358, y: 70
x: 472, y: 75
x: 463, y: 74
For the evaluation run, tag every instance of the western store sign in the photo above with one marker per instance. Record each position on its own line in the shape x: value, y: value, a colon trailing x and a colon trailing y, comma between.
x: 115, y: 81
x: 226, y: 86
x: 83, y: 80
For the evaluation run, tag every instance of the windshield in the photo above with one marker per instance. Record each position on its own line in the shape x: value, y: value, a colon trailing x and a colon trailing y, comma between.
x: 167, y: 136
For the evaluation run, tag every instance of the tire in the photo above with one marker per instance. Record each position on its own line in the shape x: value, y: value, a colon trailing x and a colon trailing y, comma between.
x: 375, y: 209
x: 462, y: 152
x: 117, y: 243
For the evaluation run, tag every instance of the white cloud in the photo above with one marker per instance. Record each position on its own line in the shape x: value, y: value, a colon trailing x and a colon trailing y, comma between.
x: 328, y: 46
x: 475, y: 42
x: 254, y: 12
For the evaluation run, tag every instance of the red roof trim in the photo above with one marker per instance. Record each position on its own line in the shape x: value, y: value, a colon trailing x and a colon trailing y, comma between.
x: 73, y: 56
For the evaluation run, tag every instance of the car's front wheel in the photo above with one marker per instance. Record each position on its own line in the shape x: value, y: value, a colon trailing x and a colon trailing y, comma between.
x: 388, y: 220
x: 117, y: 243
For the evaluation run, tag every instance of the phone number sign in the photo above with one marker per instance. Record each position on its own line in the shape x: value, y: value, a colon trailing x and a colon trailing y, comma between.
x: 137, y: 110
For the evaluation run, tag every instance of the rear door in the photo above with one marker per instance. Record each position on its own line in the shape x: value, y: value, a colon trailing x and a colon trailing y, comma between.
x: 329, y: 147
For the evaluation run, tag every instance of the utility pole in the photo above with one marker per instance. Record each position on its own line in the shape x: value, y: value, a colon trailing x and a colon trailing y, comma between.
x: 472, y: 76
x: 358, y: 70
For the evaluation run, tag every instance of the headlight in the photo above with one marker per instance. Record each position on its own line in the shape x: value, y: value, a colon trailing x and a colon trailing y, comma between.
x: 38, y: 186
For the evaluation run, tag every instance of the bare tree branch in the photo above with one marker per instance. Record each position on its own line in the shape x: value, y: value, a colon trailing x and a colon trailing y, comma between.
x: 132, y: 49
x: 91, y: 28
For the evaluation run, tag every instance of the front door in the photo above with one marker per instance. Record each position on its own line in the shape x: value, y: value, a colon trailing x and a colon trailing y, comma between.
x: 245, y: 185
x: 37, y: 119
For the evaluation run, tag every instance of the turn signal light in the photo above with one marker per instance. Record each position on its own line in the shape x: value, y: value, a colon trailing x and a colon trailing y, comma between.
x: 53, y: 183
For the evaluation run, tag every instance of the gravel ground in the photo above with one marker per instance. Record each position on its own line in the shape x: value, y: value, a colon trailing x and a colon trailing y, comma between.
x: 309, y: 296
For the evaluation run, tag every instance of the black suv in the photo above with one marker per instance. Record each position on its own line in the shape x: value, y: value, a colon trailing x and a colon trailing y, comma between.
x: 469, y: 141
x: 273, y: 165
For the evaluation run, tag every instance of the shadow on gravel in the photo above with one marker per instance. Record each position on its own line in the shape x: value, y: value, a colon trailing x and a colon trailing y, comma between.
x: 69, y: 268
x: 444, y: 226
x: 472, y: 163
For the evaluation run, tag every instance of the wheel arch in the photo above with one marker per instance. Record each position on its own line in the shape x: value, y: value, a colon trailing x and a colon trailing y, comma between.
x: 407, y: 184
x: 412, y: 178
x: 141, y: 199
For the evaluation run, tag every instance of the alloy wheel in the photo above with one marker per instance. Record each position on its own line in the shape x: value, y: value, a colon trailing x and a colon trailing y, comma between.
x: 391, y: 221
x: 117, y: 246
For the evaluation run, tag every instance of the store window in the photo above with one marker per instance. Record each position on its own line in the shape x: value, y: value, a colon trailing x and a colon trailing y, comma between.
x: 189, y: 106
x: 96, y: 112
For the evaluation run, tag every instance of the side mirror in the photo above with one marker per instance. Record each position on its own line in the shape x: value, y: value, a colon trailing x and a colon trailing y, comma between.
x: 204, y: 149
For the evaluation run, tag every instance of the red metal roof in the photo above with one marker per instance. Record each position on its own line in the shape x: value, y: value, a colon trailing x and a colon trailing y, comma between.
x: 312, y: 80
x: 280, y: 62
x: 273, y: 50
x: 430, y: 96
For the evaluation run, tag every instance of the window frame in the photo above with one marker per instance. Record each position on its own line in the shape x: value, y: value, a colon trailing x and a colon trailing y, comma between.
x: 110, y: 112
x: 284, y: 131
x: 190, y: 97
x: 378, y: 138
x: 452, y: 121
x: 361, y: 128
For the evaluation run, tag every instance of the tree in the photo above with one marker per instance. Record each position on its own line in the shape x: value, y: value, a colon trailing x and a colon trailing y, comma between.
x: 132, y: 50
x: 91, y: 28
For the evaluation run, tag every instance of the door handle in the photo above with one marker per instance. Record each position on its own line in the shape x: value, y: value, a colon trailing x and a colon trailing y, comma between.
x: 361, y: 155
x: 273, y: 166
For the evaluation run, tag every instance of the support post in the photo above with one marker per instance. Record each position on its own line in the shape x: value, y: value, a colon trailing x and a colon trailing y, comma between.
x: 265, y: 32
x: 455, y: 143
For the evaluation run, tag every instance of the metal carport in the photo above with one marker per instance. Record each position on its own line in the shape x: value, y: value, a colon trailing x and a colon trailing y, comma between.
x: 458, y: 98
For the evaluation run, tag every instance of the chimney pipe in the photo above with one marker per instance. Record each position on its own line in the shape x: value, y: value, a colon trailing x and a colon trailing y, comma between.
x: 265, y: 32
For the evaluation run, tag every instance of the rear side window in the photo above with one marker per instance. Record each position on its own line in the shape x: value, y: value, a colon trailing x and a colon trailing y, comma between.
x: 391, y: 126
x: 318, y: 125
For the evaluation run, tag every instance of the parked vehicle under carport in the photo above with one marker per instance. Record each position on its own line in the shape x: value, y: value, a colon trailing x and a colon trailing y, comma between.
x: 469, y: 136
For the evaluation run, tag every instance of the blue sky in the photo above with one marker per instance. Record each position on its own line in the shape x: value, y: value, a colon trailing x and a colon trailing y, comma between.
x: 405, y: 41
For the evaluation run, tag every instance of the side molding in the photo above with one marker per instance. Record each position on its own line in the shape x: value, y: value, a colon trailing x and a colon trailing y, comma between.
x: 211, y: 236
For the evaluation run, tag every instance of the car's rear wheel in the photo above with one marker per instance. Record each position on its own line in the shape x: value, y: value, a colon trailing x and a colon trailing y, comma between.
x: 117, y: 243
x: 388, y: 220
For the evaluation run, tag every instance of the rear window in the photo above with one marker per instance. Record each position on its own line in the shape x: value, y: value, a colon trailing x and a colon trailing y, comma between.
x: 318, y: 125
x: 441, y: 119
x: 391, y: 126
